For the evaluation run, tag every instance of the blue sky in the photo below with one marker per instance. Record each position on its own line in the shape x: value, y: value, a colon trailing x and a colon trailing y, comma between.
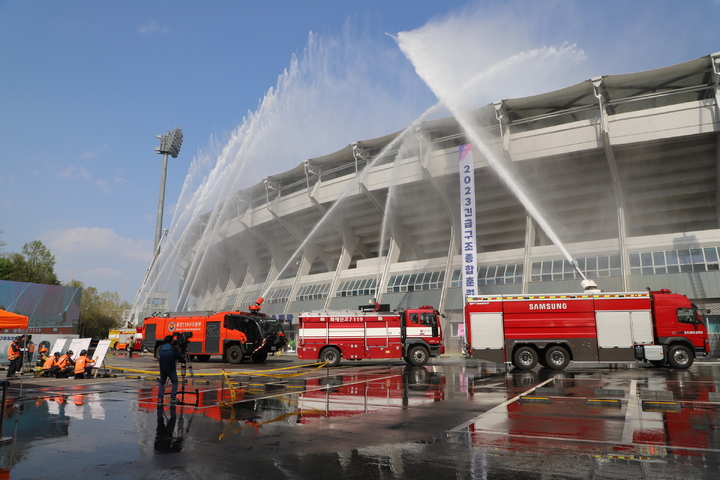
x: 86, y: 85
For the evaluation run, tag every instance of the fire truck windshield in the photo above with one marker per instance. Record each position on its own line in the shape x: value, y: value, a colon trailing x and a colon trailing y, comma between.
x: 687, y: 315
x: 271, y: 326
x: 428, y: 319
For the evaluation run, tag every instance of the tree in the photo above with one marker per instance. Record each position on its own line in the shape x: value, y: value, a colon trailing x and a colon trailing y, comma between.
x: 13, y: 267
x: 99, y: 311
x: 34, y: 265
x: 40, y: 263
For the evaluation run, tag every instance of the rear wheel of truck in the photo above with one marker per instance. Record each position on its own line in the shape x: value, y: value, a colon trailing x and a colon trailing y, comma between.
x: 557, y: 357
x: 157, y: 352
x: 680, y: 356
x: 234, y: 354
x: 331, y: 355
x: 525, y: 358
x: 259, y: 357
x: 417, y: 356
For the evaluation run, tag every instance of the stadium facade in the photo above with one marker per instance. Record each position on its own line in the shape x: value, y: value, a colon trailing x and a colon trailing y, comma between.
x: 625, y: 168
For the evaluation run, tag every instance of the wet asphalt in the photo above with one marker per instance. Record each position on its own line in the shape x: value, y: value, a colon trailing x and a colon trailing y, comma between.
x: 453, y: 418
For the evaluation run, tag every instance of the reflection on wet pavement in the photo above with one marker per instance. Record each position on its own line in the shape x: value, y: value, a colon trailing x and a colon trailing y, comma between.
x: 454, y: 419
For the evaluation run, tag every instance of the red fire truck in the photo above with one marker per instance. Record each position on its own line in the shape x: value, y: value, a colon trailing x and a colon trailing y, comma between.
x: 372, y: 332
x: 660, y: 327
x: 234, y: 335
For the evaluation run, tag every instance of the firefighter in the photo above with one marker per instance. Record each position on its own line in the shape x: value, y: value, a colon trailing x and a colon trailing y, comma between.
x: 38, y: 365
x: 65, y: 365
x: 42, y: 354
x: 14, y: 356
x: 83, y: 365
x: 50, y: 367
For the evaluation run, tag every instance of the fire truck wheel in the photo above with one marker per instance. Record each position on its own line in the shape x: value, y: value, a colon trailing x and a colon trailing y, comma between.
x: 557, y: 357
x: 418, y: 355
x: 157, y: 352
x: 680, y: 356
x: 235, y: 354
x: 331, y: 355
x: 525, y: 358
x: 259, y: 357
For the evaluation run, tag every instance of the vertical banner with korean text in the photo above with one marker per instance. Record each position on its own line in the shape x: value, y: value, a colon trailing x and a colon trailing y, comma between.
x: 467, y: 219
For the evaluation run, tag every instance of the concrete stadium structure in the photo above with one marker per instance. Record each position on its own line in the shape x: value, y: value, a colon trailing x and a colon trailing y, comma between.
x: 625, y: 166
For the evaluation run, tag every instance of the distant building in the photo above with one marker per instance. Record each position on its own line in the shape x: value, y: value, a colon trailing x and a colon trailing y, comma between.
x: 53, y: 311
x: 625, y: 168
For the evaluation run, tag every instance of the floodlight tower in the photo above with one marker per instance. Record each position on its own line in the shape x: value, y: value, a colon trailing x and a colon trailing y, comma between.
x: 170, y: 144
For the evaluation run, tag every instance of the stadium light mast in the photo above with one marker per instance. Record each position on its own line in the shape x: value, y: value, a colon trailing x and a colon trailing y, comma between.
x: 170, y: 144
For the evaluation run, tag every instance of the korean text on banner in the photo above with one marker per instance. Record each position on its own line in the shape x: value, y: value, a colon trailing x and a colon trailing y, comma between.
x: 467, y: 218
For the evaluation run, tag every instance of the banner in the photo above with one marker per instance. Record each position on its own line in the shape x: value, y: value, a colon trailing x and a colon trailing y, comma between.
x: 467, y: 219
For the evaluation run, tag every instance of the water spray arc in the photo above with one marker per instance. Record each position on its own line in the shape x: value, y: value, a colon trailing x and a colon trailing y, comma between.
x: 208, y: 214
x: 453, y: 100
x: 396, y: 143
x: 357, y: 181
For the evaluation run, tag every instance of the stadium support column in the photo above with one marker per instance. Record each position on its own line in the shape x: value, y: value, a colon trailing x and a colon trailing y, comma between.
x: 599, y: 91
x: 504, y: 124
x: 303, y: 264
x: 715, y: 59
x: 447, y: 201
x: 313, y: 170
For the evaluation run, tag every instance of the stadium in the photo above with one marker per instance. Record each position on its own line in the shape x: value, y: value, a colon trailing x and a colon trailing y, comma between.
x: 624, y: 168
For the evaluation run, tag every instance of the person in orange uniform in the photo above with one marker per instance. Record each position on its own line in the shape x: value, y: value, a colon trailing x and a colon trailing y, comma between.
x: 65, y: 365
x: 50, y: 364
x: 13, y: 355
x: 42, y: 355
x: 83, y: 365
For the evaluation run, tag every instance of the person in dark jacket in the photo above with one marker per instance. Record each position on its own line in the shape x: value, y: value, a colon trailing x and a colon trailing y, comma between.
x: 169, y: 356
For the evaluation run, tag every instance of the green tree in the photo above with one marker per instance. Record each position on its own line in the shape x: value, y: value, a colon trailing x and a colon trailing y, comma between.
x: 34, y: 265
x: 40, y: 263
x: 99, y: 311
x: 13, y: 267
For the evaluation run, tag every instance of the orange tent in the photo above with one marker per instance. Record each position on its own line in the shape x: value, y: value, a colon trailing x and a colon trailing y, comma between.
x: 12, y: 320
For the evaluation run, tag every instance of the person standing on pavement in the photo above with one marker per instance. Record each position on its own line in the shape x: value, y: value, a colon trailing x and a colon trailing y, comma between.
x: 169, y: 356
x: 13, y: 355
